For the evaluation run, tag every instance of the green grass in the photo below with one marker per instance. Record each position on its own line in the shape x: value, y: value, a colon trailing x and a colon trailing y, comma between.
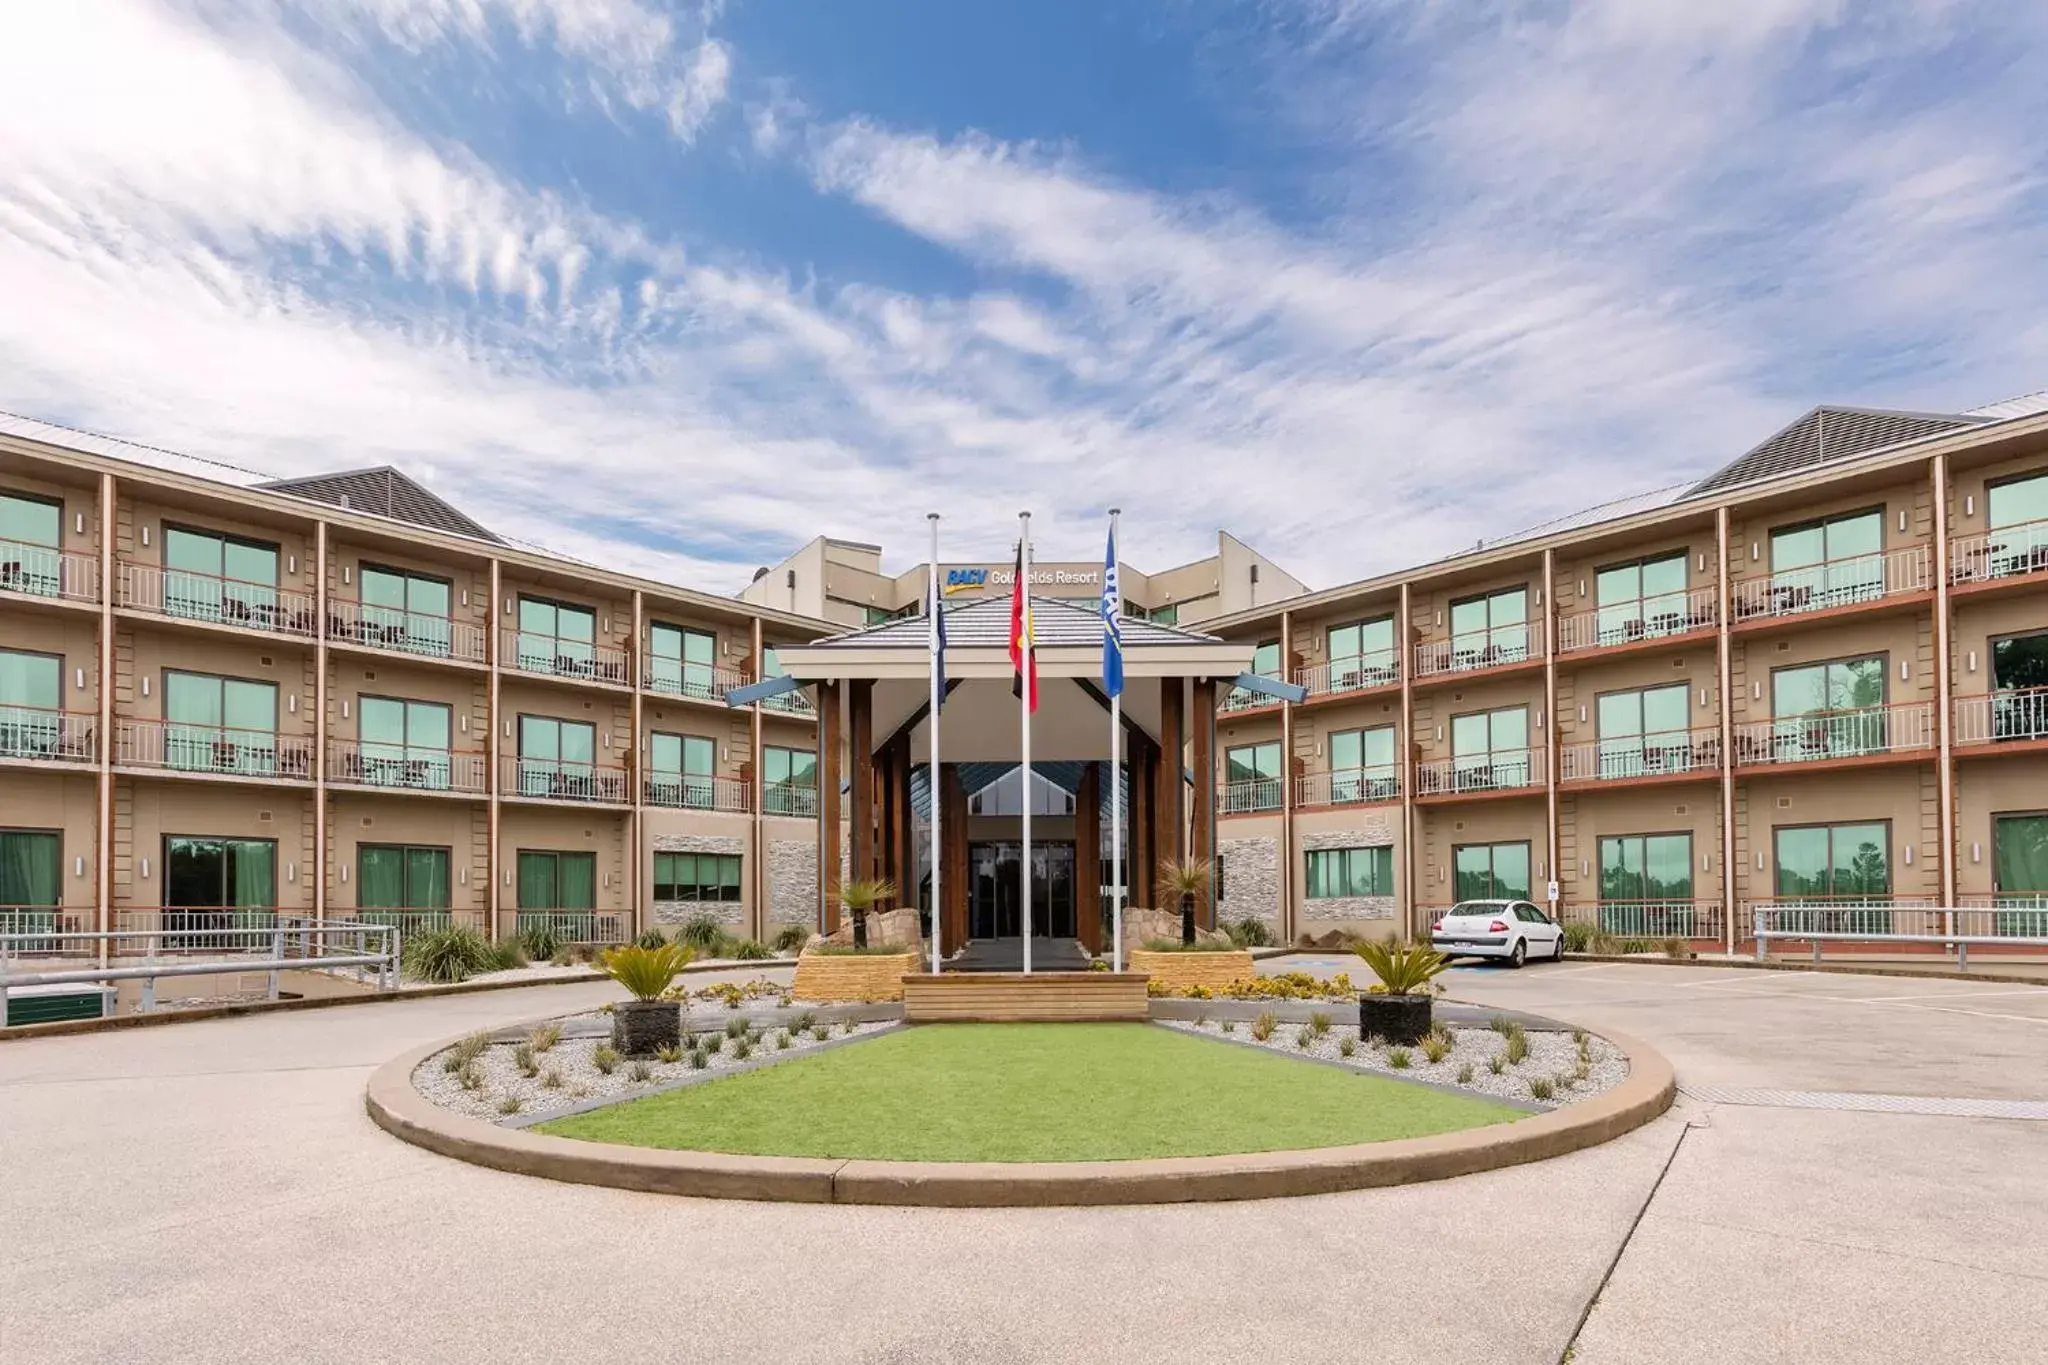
x: 1032, y: 1092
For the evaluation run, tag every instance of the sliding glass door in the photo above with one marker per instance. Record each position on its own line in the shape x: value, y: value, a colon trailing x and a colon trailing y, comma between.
x: 214, y: 885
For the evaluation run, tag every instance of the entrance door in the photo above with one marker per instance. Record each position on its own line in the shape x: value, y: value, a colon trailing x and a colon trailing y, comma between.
x: 216, y: 886
x: 994, y: 911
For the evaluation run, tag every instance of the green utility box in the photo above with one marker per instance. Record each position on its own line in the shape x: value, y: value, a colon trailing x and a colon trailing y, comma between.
x: 47, y: 1004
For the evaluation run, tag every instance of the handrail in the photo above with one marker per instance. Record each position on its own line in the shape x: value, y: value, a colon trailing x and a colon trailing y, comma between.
x: 147, y: 742
x: 1247, y: 796
x: 1494, y: 647
x: 555, y: 779
x: 1989, y: 718
x: 1657, y: 754
x: 1349, y: 786
x: 48, y: 735
x: 708, y: 682
x: 1500, y: 770
x: 405, y: 766
x: 45, y: 571
x: 1856, y: 732
x: 795, y: 800
x: 426, y: 634
x: 1379, y: 668
x: 2003, y: 552
x: 552, y: 656
x: 695, y: 791
x: 187, y: 595
x: 1647, y: 618
x: 289, y: 943
x: 1837, y: 583
x: 1961, y: 927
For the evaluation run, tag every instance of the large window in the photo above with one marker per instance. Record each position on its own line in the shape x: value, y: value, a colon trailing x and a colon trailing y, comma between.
x: 1340, y: 872
x: 2019, y: 682
x: 1362, y: 654
x: 1644, y: 731
x: 1643, y: 599
x: 403, y: 610
x: 31, y: 877
x: 1266, y: 664
x: 2019, y: 868
x: 1828, y: 710
x: 1646, y: 885
x: 403, y: 743
x: 2015, y: 502
x: 556, y: 637
x: 680, y: 770
x: 2018, y: 513
x: 1493, y: 629
x: 213, y: 577
x: 1251, y: 777
x: 31, y: 697
x: 789, y: 781
x: 558, y: 889
x: 681, y: 661
x: 1827, y: 563
x: 213, y: 886
x: 31, y: 531
x: 1484, y: 872
x: 1832, y: 866
x: 402, y: 878
x: 220, y: 725
x: 1490, y: 749
x: 709, y: 877
x: 1362, y: 765
x: 557, y: 758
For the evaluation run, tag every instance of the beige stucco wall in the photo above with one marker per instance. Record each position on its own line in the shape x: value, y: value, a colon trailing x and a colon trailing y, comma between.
x: 1986, y: 788
x: 556, y: 828
x: 1584, y: 818
x: 1499, y: 820
x: 1905, y: 795
x: 146, y: 649
x: 351, y: 677
x: 66, y: 803
x: 146, y: 809
x: 73, y: 637
x: 366, y: 817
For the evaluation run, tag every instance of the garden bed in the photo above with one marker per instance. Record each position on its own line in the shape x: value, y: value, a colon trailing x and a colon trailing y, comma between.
x: 1197, y: 967
x: 830, y: 977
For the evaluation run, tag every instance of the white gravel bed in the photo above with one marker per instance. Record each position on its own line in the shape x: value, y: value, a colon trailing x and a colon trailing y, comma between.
x: 1552, y: 1056
x: 579, y: 1079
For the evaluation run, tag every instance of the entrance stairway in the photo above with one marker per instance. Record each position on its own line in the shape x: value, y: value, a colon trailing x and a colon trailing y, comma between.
x: 1007, y: 955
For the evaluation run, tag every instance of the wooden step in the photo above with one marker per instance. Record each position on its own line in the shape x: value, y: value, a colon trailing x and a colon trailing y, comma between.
x: 1013, y: 997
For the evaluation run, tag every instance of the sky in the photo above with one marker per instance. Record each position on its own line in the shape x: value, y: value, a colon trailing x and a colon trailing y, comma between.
x: 676, y: 287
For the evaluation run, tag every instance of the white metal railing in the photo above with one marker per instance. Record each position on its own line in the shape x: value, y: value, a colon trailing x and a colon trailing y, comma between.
x: 2019, y: 713
x: 1838, y: 583
x: 684, y: 791
x: 2006, y: 552
x: 405, y: 767
x: 1348, y: 786
x: 1626, y: 623
x: 1379, y: 669
x: 1501, y: 770
x: 1479, y: 649
x: 1655, y: 918
x: 571, y: 926
x: 793, y: 703
x: 792, y: 799
x: 1661, y: 754
x: 44, y: 571
x: 1907, y: 923
x: 1856, y: 733
x: 188, y: 596
x: 2012, y: 913
x: 554, y: 657
x: 221, y: 749
x: 181, y: 943
x: 554, y: 779
x: 47, y: 736
x: 706, y: 682
x: 404, y: 632
x: 1244, y: 699
x: 1248, y: 796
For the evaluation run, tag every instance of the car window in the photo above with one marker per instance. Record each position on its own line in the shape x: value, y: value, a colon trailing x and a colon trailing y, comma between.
x: 1533, y: 915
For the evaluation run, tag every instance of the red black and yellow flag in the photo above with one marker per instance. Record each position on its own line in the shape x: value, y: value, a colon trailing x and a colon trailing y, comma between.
x: 1023, y: 681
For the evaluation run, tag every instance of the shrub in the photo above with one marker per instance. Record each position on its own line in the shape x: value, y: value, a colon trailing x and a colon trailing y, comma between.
x: 702, y: 933
x: 1578, y: 937
x: 782, y: 1041
x: 551, y: 1079
x: 1174, y: 945
x: 805, y: 1020
x: 1502, y: 1025
x: 1403, y: 968
x: 1319, y: 1021
x: 1581, y: 1037
x: 651, y: 937
x: 540, y: 942
x: 670, y: 1053
x: 646, y: 972
x: 748, y: 950
x: 735, y: 1028
x: 1346, y: 1046
x: 505, y: 955
x: 1263, y: 1026
x: 605, y: 1059
x: 545, y: 1037
x: 509, y: 1105
x: 1229, y: 1025
x: 1250, y: 933
x: 471, y: 1078
x: 791, y: 938
x: 522, y: 1057
x: 742, y: 1050
x: 1518, y: 1047
x: 1397, y: 1058
x: 822, y: 1032
x: 1465, y: 1074
x: 1675, y: 947
x: 1582, y: 1070
x: 699, y: 1058
x: 1304, y: 1036
x: 1496, y: 1064
x: 1603, y: 944
x: 713, y: 1043
x: 1436, y: 1045
x: 862, y: 897
x: 445, y: 955
x: 640, y: 1071
x: 1541, y: 1088
x: 465, y: 1052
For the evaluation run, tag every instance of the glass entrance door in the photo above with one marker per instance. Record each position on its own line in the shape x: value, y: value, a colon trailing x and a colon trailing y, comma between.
x: 994, y: 909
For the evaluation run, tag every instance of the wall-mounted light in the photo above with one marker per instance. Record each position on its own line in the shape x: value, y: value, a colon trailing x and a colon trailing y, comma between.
x: 81, y: 679
x: 462, y: 876
x: 145, y: 537
x: 1706, y: 862
x: 1439, y: 734
x: 291, y: 871
x: 1582, y: 867
x: 464, y: 722
x: 1973, y: 661
x: 608, y: 734
x: 344, y: 573
x: 1902, y: 520
x: 1976, y: 853
x: 791, y: 580
x: 145, y: 684
x: 1756, y: 691
x: 1753, y: 552
x: 465, y: 597
x: 1439, y: 616
x: 508, y: 729
x: 1582, y: 587
x: 1443, y: 874
x: 80, y: 523
x: 1539, y: 718
x: 145, y: 869
x: 1759, y: 860
x: 1539, y: 597
x: 508, y: 876
x: 1905, y: 670
x: 508, y: 606
x: 1909, y: 855
x: 344, y: 872
x: 78, y: 866
x: 344, y: 708
x: 291, y: 563
x: 1703, y: 561
x: 291, y: 704
x: 1969, y: 504
x: 607, y: 880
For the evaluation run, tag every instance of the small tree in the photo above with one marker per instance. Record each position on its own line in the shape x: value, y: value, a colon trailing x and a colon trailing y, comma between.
x: 1185, y: 878
x: 863, y: 898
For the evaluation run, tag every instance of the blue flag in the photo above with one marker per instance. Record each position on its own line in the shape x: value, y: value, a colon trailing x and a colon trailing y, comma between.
x: 938, y: 641
x: 1112, y: 622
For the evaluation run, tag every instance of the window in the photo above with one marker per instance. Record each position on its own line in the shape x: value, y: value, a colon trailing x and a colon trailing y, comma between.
x: 401, y: 877
x: 1828, y: 710
x: 1168, y: 615
x: 1824, y: 864
x: 1493, y: 629
x: 2015, y: 502
x: 1643, y: 599
x: 555, y: 637
x: 1005, y: 796
x: 212, y: 577
x: 1646, y: 885
x: 2018, y: 513
x: 1251, y: 775
x: 1490, y: 749
x: 1645, y: 731
x: 1265, y: 663
x: 789, y: 780
x: 31, y: 532
x: 403, y: 743
x: 1362, y: 765
x: 1827, y: 563
x: 557, y: 758
x: 31, y: 698
x: 1362, y: 654
x: 680, y: 770
x: 697, y: 877
x: 2019, y: 682
x: 553, y: 882
x: 1340, y: 872
x: 220, y: 725
x: 31, y: 878
x: 2019, y: 868
x: 680, y: 661
x: 875, y: 616
x: 214, y: 886
x: 1487, y: 872
x: 408, y: 611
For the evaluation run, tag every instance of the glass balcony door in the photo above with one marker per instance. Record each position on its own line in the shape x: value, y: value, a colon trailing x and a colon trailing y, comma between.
x: 1362, y: 654
x: 2019, y: 687
x: 213, y: 885
x: 2018, y: 514
x: 31, y: 695
x: 789, y: 781
x: 681, y: 767
x: 1828, y: 710
x: 1642, y: 600
x: 682, y: 661
x: 1490, y: 872
x: 402, y: 885
x: 1645, y: 731
x: 31, y: 882
x: 1840, y: 874
x: 1490, y: 630
x: 1251, y: 778
x: 555, y: 637
x: 1646, y: 885
x: 220, y: 725
x: 557, y: 758
x: 1362, y: 765
x: 31, y: 537
x: 209, y: 577
x: 1828, y: 563
x: 558, y: 890
x: 406, y: 611
x: 405, y: 743
x: 1490, y: 749
x: 2019, y: 859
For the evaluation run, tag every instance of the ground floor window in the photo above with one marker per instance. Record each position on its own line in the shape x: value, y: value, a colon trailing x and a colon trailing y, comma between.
x: 1340, y: 872
x: 1490, y: 872
x: 214, y: 886
x: 1843, y: 870
x: 551, y: 880
x: 2019, y: 858
x: 31, y: 871
x: 405, y: 878
x: 1646, y: 885
x: 713, y: 877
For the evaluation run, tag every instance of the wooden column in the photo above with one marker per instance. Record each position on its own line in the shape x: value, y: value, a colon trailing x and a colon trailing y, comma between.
x: 1144, y: 839
x: 1088, y: 857
x: 860, y: 744
x: 1170, y: 822
x: 885, y: 815
x: 1202, y: 763
x: 830, y: 835
x: 958, y: 886
x: 907, y: 842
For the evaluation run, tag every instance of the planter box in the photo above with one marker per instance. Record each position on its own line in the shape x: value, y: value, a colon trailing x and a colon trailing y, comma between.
x: 640, y: 1027
x: 829, y: 977
x: 1399, y: 1019
x: 1012, y: 997
x: 1177, y: 971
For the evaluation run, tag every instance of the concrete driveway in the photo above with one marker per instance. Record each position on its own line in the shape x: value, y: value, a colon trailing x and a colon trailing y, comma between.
x: 213, y: 1192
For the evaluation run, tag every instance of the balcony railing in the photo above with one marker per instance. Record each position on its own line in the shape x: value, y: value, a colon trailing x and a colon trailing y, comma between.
x: 167, y: 930
x: 1248, y: 796
x: 1348, y: 786
x: 1628, y: 623
x: 189, y: 596
x: 680, y: 791
x: 47, y: 919
x: 1244, y: 699
x: 571, y: 926
x: 556, y: 779
x: 791, y: 703
x: 47, y: 736
x: 1877, y: 913
x: 404, y: 767
x: 220, y: 749
x: 554, y: 657
x: 1479, y: 649
x: 2008, y: 552
x: 1381, y: 669
x: 1658, y: 919
x: 1856, y: 733
x: 1668, y: 753
x: 405, y: 632
x: 40, y: 571
x: 706, y: 682
x: 2018, y: 713
x: 2006, y: 914
x: 409, y: 922
x: 795, y: 799
x: 1501, y: 770
x: 1839, y: 583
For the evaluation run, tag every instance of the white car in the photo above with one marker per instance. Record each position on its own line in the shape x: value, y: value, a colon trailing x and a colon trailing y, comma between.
x: 1515, y: 930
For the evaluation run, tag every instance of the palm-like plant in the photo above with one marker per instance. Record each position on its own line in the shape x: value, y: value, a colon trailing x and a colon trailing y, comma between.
x: 646, y: 972
x: 1403, y: 968
x: 1186, y: 878
x: 862, y: 898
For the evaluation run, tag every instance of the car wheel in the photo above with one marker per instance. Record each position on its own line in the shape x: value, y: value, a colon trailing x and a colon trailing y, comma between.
x: 1557, y: 949
x: 1519, y: 953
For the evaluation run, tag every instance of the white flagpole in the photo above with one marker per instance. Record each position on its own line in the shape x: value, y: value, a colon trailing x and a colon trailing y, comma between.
x: 1116, y: 800
x: 938, y: 840
x: 1024, y: 708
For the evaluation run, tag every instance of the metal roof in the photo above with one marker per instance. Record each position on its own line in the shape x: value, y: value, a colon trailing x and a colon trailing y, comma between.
x: 1825, y: 435
x: 2025, y: 405
x: 384, y: 492
x: 1056, y: 623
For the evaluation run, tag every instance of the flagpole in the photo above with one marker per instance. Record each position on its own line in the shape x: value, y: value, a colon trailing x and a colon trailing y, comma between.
x: 938, y: 840
x: 1116, y: 799
x: 1024, y: 589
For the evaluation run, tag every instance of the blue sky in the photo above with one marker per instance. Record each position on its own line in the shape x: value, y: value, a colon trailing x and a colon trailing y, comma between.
x: 676, y: 287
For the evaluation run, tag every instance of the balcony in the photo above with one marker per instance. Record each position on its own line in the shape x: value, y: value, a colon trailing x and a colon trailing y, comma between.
x: 1826, y: 587
x: 1871, y: 913
x: 796, y: 800
x: 554, y: 779
x: 2017, y: 714
x: 550, y: 656
x: 36, y: 734
x: 1633, y: 623
x: 700, y: 682
x: 1651, y: 919
x: 400, y: 767
x: 40, y: 571
x: 1862, y: 733
x: 1350, y: 675
x: 52, y: 920
x: 569, y: 926
x: 1251, y: 796
x: 213, y: 929
x: 212, y: 600
x: 677, y: 791
x: 1496, y: 648
x: 1670, y: 753
x: 219, y: 750
x: 1348, y: 787
x: 403, y: 632
x: 789, y: 703
x: 2008, y: 552
x: 1503, y: 770
x: 2005, y: 914
x: 1242, y: 699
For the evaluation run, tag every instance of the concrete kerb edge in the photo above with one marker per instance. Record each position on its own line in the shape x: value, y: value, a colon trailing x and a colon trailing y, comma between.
x: 403, y: 1112
x: 1837, y: 968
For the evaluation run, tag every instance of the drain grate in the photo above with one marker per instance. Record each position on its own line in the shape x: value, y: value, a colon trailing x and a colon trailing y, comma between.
x: 1869, y: 1104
